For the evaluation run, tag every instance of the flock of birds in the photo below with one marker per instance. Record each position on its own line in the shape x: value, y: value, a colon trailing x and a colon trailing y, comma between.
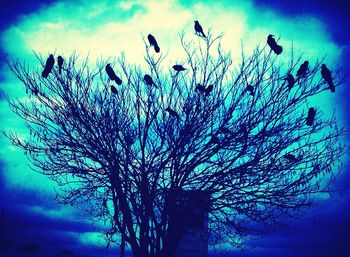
x: 301, y: 72
x: 277, y: 49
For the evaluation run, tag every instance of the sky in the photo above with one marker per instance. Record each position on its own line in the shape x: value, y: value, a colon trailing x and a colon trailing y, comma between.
x: 34, y: 222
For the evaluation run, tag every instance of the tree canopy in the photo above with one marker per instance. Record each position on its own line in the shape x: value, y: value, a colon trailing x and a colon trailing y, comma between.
x: 243, y: 134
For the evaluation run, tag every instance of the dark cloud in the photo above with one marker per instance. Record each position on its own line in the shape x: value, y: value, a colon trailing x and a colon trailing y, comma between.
x: 11, y: 11
x: 333, y: 13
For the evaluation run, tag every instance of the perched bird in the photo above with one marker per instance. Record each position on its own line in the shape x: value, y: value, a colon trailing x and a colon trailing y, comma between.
x: 311, y: 117
x: 178, y: 67
x: 250, y: 89
x: 327, y: 75
x: 149, y: 81
x: 290, y: 157
x: 114, y: 90
x: 60, y: 64
x: 290, y: 81
x: 153, y: 42
x: 200, y: 88
x: 111, y: 74
x: 277, y: 49
x: 303, y: 69
x: 48, y: 66
x: 208, y: 90
x: 172, y: 112
x: 198, y: 29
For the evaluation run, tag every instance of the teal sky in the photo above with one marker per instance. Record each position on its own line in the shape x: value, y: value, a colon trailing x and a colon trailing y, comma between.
x: 106, y: 29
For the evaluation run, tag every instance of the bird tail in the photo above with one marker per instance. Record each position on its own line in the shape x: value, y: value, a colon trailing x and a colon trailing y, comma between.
x: 156, y: 48
x: 60, y: 70
x: 203, y: 34
x: 332, y: 87
x: 45, y: 73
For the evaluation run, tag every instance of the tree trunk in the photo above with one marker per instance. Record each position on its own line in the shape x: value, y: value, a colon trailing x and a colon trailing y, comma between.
x: 122, y: 247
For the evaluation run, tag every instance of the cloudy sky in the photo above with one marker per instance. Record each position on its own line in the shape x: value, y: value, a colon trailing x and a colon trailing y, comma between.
x: 32, y: 221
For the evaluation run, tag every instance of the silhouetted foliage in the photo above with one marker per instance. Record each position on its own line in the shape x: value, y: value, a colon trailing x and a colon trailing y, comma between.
x: 237, y: 133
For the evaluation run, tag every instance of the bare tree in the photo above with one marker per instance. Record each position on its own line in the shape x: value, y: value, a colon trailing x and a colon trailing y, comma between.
x: 238, y: 133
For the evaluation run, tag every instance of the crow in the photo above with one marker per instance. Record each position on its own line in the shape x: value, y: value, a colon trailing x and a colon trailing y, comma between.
x: 290, y: 157
x: 311, y: 117
x: 48, y: 66
x: 277, y: 49
x: 198, y: 29
x: 60, y: 64
x: 290, y: 81
x: 178, y: 67
x: 172, y: 112
x: 250, y: 89
x: 153, y: 42
x: 303, y: 69
x: 149, y: 81
x: 208, y: 90
x: 114, y: 90
x: 327, y: 75
x: 111, y: 74
x: 200, y: 88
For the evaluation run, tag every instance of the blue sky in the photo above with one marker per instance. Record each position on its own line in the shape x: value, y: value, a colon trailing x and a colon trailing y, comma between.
x: 108, y: 28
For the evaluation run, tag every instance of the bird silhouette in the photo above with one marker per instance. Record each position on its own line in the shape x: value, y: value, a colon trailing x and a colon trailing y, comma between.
x: 114, y: 90
x: 172, y: 113
x: 48, y: 66
x: 60, y: 64
x: 178, y: 67
x: 303, y: 69
x: 200, y: 88
x: 327, y: 75
x: 198, y: 29
x: 290, y: 157
x: 149, y: 81
x: 277, y: 49
x: 209, y: 89
x: 311, y: 116
x: 111, y: 74
x: 153, y: 42
x: 290, y: 81
x: 250, y: 89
